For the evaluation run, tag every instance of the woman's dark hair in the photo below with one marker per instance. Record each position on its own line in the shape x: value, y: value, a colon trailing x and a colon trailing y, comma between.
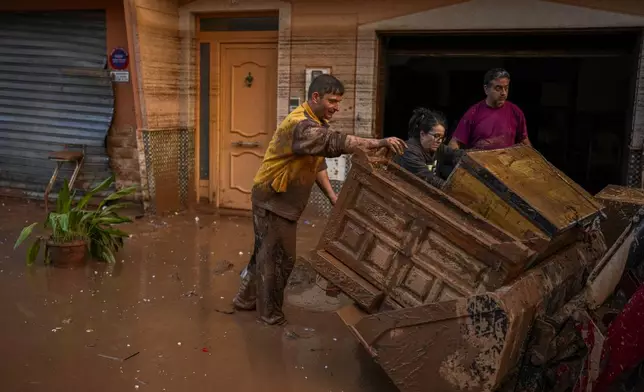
x: 325, y: 84
x: 423, y: 120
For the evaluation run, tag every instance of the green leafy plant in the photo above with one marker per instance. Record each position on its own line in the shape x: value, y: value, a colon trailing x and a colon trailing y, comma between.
x: 71, y: 223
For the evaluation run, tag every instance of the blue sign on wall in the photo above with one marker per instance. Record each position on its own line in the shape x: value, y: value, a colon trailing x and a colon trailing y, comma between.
x: 119, y: 59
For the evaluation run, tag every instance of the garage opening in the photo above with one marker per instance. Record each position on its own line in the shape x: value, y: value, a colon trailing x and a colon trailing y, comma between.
x: 575, y: 88
x: 55, y: 94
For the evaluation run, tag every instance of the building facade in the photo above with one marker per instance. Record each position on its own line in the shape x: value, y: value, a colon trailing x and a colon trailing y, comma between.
x: 210, y: 79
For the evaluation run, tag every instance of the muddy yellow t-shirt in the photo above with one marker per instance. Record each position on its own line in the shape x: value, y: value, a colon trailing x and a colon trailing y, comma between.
x: 294, y: 156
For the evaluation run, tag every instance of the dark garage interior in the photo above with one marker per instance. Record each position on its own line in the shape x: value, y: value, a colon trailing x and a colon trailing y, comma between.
x: 575, y: 88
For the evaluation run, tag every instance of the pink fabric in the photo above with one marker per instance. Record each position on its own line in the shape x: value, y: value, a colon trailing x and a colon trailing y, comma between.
x: 486, y: 128
x: 624, y: 344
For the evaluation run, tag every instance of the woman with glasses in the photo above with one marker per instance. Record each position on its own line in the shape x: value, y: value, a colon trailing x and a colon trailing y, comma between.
x: 426, y: 150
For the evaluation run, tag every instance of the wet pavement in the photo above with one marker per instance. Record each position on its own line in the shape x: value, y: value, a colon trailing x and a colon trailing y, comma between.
x: 158, y: 319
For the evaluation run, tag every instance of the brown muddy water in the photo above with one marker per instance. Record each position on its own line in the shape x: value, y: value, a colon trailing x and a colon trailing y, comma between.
x: 157, y: 319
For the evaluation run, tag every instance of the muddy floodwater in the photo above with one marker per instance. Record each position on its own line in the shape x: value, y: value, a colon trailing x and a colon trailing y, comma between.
x: 159, y: 319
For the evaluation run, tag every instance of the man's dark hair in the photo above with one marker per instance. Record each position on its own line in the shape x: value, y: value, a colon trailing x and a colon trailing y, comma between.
x: 423, y: 120
x: 495, y: 73
x: 326, y: 84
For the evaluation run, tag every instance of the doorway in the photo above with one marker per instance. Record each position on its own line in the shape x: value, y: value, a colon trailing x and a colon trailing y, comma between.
x: 237, y: 104
x: 248, y: 106
x: 575, y: 89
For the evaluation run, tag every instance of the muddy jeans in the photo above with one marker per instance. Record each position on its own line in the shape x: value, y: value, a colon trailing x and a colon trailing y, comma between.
x: 270, y: 266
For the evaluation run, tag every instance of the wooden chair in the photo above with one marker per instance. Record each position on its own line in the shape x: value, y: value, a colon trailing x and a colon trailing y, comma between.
x: 62, y: 157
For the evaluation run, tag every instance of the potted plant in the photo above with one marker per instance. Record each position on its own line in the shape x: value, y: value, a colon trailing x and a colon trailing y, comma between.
x: 75, y: 231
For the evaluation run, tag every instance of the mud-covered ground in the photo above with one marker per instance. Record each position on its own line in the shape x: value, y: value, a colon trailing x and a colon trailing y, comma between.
x: 158, y: 319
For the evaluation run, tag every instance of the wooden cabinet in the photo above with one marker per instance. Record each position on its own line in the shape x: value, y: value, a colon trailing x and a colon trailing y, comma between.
x: 518, y: 190
x: 394, y: 241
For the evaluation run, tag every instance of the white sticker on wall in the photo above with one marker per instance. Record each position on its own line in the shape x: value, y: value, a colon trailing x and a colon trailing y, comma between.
x: 337, y: 168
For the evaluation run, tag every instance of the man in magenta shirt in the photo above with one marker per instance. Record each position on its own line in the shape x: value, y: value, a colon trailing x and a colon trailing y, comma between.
x: 494, y: 122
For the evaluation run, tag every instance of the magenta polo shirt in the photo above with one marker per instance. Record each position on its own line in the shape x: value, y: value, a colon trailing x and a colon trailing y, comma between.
x: 486, y: 128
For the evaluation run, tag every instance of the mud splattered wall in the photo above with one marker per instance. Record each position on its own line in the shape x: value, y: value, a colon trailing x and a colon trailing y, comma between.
x: 121, y: 140
x: 157, y: 28
x: 325, y: 42
x: 167, y: 155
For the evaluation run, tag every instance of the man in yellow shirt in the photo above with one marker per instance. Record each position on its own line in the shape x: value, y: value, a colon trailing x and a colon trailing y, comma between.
x: 293, y: 162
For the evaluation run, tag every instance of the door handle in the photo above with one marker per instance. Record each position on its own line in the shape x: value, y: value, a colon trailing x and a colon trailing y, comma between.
x: 245, y: 144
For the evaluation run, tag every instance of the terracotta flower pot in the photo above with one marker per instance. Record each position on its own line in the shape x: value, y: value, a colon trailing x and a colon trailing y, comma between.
x: 69, y: 255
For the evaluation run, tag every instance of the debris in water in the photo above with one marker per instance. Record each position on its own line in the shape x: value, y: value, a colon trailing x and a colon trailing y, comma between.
x: 196, y: 219
x: 222, y: 266
x: 56, y: 329
x: 205, y: 350
x: 119, y: 359
x: 110, y: 357
x: 297, y: 332
x: 291, y: 334
x: 190, y: 293
x: 225, y: 309
x: 67, y: 321
x: 89, y: 330
x: 131, y: 356
x: 178, y: 343
x: 241, y: 253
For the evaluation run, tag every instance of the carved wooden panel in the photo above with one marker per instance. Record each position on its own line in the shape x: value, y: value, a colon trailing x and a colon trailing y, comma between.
x: 403, y: 250
x: 370, y: 237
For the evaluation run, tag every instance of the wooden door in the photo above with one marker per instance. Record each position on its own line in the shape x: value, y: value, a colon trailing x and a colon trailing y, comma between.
x: 248, y: 117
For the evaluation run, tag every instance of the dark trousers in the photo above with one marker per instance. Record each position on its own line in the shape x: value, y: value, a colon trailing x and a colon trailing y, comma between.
x: 262, y: 286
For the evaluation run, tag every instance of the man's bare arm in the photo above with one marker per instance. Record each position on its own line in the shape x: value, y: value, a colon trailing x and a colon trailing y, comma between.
x: 322, y: 179
x: 355, y: 143
x: 321, y: 141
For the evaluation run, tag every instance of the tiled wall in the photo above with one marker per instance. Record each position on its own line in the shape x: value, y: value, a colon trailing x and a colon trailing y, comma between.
x: 338, y: 168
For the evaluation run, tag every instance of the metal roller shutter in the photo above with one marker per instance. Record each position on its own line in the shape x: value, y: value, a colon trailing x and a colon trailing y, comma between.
x: 54, y: 90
